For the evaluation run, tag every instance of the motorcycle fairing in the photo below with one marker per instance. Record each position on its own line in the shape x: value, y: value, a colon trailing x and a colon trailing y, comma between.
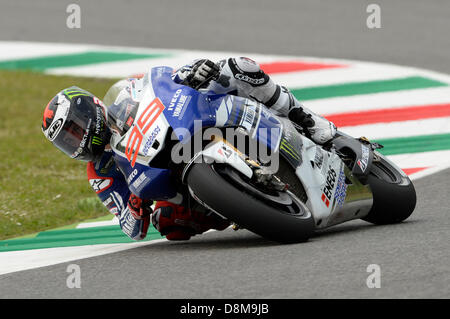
x: 186, y: 110
x: 252, y: 116
x: 363, y: 154
x: 146, y: 137
x: 165, y: 104
x: 334, y: 194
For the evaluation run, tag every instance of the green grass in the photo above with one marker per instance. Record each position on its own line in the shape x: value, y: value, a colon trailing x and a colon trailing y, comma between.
x: 40, y: 187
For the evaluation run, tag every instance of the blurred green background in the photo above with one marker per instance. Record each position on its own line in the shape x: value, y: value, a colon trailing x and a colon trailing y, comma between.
x: 40, y: 187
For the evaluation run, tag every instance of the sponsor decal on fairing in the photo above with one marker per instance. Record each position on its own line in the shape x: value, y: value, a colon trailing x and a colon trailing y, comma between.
x: 329, y: 186
x: 139, y: 180
x: 151, y: 139
x: 364, y: 160
x: 341, y: 190
x: 132, y: 175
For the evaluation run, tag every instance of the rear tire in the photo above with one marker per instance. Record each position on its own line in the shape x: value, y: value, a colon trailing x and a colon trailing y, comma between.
x: 249, y: 212
x: 394, y: 196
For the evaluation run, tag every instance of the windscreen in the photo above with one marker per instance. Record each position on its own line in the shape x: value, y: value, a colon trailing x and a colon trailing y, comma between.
x: 121, y: 107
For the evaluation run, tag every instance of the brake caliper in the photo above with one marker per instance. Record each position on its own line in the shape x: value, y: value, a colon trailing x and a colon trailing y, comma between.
x: 265, y: 177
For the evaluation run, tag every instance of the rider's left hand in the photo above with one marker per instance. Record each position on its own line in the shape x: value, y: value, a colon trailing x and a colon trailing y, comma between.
x: 202, y: 72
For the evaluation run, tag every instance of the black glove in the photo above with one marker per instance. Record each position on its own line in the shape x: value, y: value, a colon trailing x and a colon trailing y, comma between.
x: 203, y: 71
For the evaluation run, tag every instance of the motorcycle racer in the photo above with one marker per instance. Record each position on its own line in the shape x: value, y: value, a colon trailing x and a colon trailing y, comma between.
x: 77, y: 123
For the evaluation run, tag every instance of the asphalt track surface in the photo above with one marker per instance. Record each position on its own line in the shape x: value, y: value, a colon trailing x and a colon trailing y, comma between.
x: 414, y: 256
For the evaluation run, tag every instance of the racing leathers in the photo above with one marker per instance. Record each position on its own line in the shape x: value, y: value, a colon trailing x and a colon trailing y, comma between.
x: 236, y: 76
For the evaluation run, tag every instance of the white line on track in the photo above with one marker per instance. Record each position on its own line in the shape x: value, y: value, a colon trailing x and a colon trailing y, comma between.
x: 387, y: 100
x: 429, y: 171
x: 13, y: 261
x: 112, y: 222
x: 336, y: 76
x: 400, y: 129
x: 24, y: 50
x: 413, y: 160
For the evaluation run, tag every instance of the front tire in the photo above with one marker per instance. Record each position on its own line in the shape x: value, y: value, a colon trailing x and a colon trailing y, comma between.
x: 248, y: 211
x: 394, y: 196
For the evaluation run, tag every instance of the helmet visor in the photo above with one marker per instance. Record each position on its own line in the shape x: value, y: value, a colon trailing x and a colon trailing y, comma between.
x: 73, y: 137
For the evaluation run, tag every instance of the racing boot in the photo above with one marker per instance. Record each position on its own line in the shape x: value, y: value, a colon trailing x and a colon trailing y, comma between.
x: 316, y: 127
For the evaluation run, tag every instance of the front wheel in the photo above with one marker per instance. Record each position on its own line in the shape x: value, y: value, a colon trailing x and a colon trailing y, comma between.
x: 281, y: 216
x: 394, y: 196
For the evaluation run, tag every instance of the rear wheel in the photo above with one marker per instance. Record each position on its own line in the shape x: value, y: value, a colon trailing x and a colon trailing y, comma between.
x: 275, y: 215
x: 394, y: 196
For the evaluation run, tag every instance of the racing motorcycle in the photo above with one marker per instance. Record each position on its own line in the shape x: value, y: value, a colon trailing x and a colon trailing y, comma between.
x: 173, y: 143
